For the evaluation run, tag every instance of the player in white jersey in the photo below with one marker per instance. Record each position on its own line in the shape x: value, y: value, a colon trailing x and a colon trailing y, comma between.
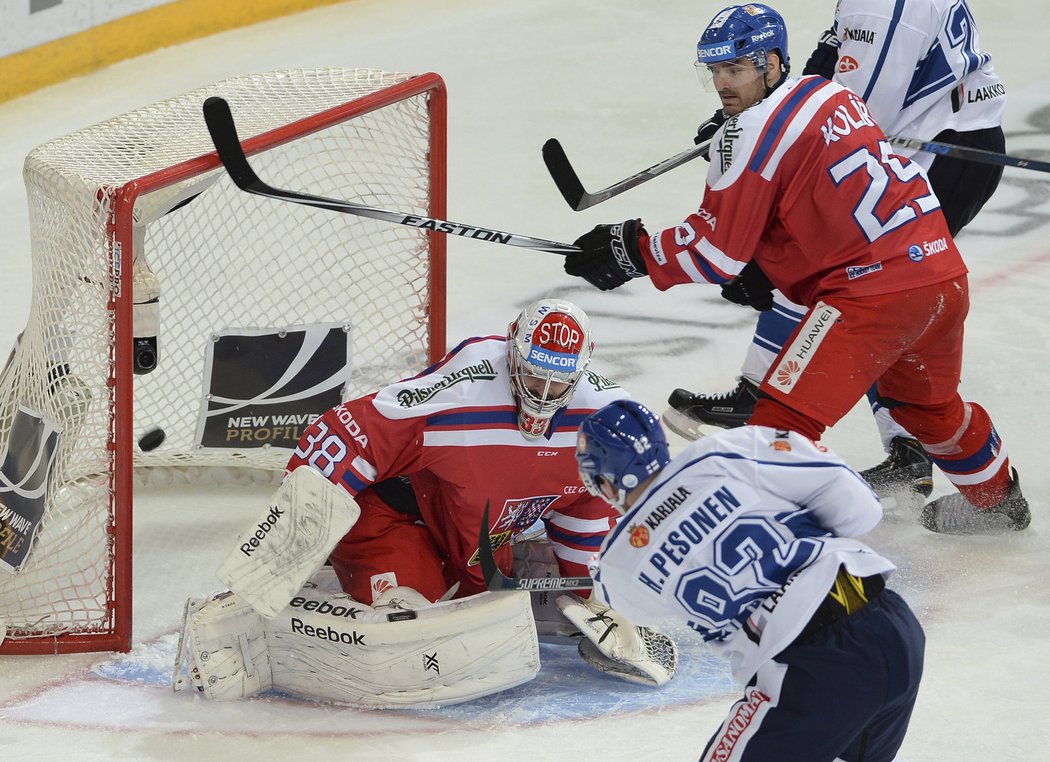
x: 746, y: 537
x: 919, y: 66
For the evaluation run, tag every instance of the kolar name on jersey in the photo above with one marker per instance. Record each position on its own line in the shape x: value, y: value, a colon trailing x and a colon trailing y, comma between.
x: 845, y: 119
x: 691, y: 530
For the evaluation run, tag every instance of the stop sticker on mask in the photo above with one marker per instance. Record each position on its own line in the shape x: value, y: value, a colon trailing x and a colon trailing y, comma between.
x: 556, y: 343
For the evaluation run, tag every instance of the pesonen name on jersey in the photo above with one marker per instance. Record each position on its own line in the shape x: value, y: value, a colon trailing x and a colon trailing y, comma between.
x: 691, y: 530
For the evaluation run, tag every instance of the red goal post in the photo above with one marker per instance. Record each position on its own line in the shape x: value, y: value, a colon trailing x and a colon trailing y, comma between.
x: 139, y: 206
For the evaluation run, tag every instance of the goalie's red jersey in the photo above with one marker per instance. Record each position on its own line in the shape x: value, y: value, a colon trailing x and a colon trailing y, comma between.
x: 806, y: 183
x: 453, y: 430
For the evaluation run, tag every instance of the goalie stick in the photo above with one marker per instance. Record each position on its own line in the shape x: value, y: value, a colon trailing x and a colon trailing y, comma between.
x: 579, y: 198
x: 223, y: 133
x: 497, y: 580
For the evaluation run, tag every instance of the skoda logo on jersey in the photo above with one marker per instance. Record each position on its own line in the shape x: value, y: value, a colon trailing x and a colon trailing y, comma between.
x: 915, y: 253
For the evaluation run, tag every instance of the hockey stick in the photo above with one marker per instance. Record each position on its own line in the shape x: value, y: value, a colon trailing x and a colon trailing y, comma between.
x: 579, y: 198
x: 497, y: 580
x: 970, y: 154
x: 224, y: 135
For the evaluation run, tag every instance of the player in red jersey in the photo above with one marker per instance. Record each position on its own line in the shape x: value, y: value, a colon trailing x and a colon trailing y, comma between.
x: 392, y: 488
x: 804, y: 183
x: 921, y: 70
x: 493, y: 422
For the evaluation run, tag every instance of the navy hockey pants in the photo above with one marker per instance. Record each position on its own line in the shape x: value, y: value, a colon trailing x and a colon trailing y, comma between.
x: 845, y: 692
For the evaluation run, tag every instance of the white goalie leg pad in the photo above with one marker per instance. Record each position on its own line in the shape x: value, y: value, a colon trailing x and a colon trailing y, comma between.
x: 404, y: 651
x: 616, y: 646
x: 222, y: 650
x: 535, y: 558
x: 275, y: 557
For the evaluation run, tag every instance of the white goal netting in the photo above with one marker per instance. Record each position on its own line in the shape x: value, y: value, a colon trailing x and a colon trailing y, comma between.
x: 247, y: 287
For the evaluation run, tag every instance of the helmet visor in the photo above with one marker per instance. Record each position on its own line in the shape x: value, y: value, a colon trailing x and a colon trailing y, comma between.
x: 734, y: 73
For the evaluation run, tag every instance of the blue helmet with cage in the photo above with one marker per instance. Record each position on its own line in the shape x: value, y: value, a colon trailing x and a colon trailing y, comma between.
x: 622, y: 444
x: 751, y: 30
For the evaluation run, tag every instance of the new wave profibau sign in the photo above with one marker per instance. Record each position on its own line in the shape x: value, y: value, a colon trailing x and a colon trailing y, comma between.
x: 264, y: 387
x: 28, y: 456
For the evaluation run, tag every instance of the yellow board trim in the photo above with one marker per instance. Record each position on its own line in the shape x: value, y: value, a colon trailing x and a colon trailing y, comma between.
x: 134, y: 35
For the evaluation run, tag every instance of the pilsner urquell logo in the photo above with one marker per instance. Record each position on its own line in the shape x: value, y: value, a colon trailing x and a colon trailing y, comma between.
x: 483, y: 371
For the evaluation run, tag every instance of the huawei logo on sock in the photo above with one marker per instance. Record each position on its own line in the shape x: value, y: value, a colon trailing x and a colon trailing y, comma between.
x: 380, y: 583
x: 787, y: 372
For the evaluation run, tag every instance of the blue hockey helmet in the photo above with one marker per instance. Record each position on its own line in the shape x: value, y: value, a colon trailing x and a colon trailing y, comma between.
x: 751, y: 30
x: 622, y: 444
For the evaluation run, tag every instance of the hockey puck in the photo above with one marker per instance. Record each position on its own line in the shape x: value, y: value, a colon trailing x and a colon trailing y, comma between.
x: 151, y: 440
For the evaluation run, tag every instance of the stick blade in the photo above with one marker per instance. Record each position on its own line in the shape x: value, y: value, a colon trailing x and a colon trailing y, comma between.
x: 223, y: 131
x: 494, y: 578
x: 564, y: 175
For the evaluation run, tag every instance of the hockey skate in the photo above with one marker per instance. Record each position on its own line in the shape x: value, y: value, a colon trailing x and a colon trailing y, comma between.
x: 907, y: 470
x: 954, y: 514
x: 729, y: 410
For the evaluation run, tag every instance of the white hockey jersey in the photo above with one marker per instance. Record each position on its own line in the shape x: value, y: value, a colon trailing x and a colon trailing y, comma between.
x: 953, y: 85
x: 751, y: 524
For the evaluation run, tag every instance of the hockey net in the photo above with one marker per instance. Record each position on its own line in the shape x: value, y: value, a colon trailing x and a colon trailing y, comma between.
x: 139, y: 205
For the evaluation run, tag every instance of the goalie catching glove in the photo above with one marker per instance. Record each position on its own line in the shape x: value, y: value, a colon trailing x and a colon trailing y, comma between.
x: 613, y: 645
x: 608, y: 256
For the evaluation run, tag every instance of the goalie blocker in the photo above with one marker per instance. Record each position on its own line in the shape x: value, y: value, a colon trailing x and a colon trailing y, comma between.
x: 401, y: 652
x: 290, y: 541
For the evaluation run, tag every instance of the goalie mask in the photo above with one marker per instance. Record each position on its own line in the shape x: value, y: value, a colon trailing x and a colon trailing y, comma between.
x: 618, y: 448
x: 548, y: 347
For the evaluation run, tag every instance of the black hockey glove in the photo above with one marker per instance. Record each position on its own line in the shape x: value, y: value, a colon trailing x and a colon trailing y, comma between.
x: 608, y: 255
x: 822, y: 61
x: 707, y: 130
x: 751, y: 288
